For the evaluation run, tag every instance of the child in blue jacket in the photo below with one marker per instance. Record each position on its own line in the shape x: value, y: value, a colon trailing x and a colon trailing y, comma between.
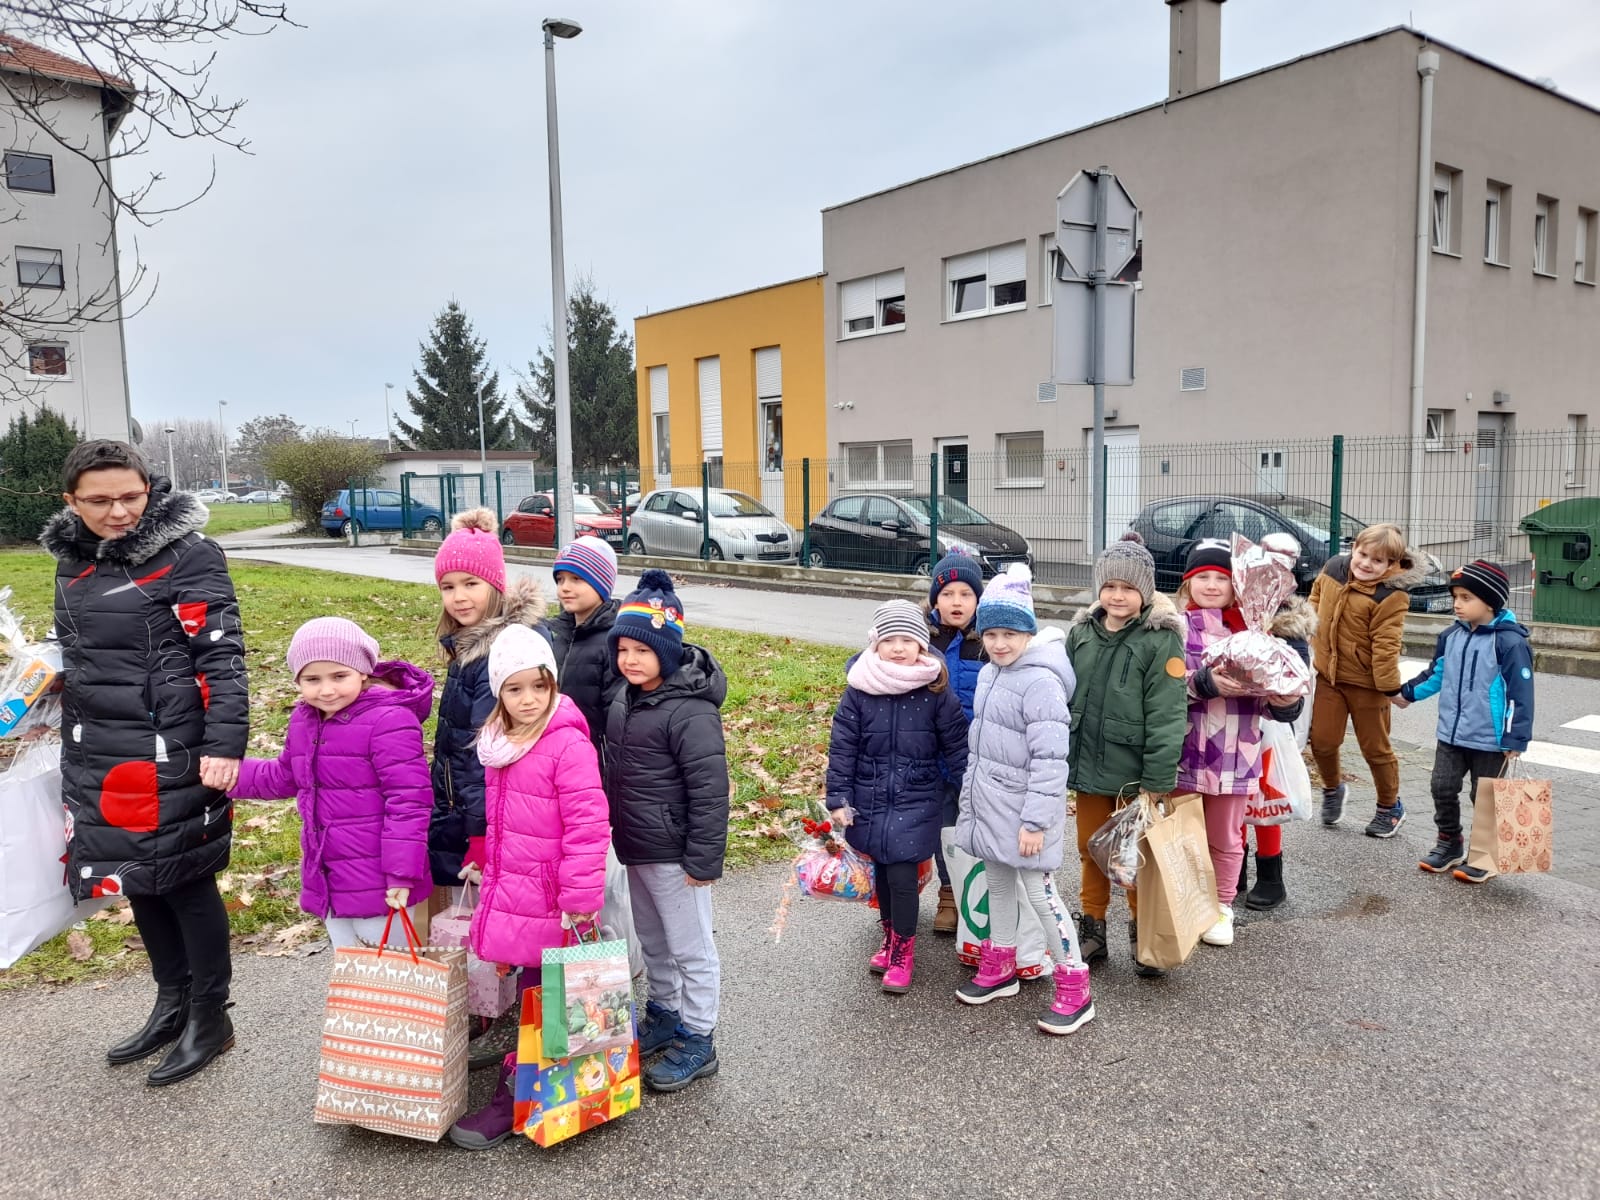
x: 1482, y: 672
x: 953, y: 596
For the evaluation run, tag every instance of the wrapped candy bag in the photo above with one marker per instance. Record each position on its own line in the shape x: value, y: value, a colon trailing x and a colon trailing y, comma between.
x: 29, y: 679
x: 826, y: 868
x: 1254, y: 663
x: 1115, y: 845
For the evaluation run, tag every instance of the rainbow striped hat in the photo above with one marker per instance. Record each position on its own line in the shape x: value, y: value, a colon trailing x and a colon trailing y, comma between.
x: 652, y: 614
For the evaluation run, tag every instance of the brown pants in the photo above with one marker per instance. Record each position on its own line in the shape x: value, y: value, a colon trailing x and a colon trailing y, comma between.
x: 1368, y: 709
x: 1094, y: 889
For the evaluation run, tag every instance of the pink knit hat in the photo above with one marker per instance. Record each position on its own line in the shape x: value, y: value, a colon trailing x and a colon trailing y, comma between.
x: 335, y: 640
x: 473, y: 547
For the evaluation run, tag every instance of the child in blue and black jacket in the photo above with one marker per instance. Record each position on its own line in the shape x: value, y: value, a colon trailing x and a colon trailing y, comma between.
x: 1482, y: 672
x: 953, y: 596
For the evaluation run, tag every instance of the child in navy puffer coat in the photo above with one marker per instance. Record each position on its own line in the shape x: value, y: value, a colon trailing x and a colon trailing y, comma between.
x: 353, y: 756
x: 897, y: 733
x: 953, y: 597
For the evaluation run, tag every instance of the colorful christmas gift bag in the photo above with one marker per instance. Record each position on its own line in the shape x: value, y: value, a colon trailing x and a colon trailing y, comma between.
x: 1512, y: 819
x: 588, y: 997
x: 558, y: 1098
x: 394, y: 1038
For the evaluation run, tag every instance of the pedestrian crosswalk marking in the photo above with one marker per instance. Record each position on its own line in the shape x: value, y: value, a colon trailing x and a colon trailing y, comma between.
x: 1568, y: 758
x: 1588, y: 724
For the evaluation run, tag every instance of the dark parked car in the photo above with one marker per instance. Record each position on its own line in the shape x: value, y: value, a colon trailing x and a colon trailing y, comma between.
x: 886, y: 531
x: 1171, y: 526
x: 374, y: 508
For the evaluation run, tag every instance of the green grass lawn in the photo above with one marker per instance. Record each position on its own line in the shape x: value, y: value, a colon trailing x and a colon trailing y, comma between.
x: 231, y: 518
x: 781, y: 695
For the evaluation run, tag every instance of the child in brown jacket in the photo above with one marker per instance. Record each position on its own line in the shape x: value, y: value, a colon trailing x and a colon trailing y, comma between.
x: 1361, y: 600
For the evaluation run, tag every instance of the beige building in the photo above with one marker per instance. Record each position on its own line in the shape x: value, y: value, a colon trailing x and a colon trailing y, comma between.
x: 61, y: 342
x: 1277, y: 280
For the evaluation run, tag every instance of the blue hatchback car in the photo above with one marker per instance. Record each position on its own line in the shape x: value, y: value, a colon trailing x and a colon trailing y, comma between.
x: 376, y: 508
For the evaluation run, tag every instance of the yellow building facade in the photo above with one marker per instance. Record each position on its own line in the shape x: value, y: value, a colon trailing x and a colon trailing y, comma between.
x: 737, y: 385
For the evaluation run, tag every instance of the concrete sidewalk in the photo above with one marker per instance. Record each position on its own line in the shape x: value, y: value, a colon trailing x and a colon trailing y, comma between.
x: 1384, y: 1034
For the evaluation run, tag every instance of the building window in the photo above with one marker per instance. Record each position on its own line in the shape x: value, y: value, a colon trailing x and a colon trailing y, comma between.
x: 30, y: 172
x: 883, y: 464
x: 875, y: 304
x: 772, y: 435
x: 1576, y: 449
x: 1546, y: 214
x: 769, y: 405
x: 1047, y: 269
x: 663, y: 440
x: 1446, y: 203
x: 1023, y: 455
x: 987, y: 281
x: 39, y: 268
x: 1441, y: 426
x: 1192, y: 379
x: 1497, y: 224
x: 1583, y: 262
x: 47, y: 360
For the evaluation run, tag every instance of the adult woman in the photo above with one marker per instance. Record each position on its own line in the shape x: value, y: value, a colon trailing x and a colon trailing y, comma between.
x: 155, y: 720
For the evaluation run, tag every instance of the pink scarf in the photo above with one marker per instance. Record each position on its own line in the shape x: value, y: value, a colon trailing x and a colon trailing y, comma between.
x: 495, y: 749
x: 880, y: 677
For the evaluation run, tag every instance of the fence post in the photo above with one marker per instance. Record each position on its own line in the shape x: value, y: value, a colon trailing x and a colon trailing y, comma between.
x: 405, y: 504
x: 1098, y: 536
x: 499, y: 498
x: 933, y: 511
x: 355, y: 522
x: 622, y: 501
x: 1336, y: 498
x: 705, y: 512
x: 805, y: 512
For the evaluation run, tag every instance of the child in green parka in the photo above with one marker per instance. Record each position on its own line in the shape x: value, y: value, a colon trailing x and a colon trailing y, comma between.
x: 1129, y: 714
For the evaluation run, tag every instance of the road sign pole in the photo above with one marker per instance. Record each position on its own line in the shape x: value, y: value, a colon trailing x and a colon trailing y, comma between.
x: 1098, y: 356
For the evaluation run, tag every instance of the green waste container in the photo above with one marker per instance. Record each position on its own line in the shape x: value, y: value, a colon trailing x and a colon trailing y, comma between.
x: 1564, y: 539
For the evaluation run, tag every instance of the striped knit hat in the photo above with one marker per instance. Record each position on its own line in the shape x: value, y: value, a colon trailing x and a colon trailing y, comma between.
x: 335, y: 640
x: 591, y: 560
x: 1485, y: 580
x: 653, y: 615
x: 1008, y: 602
x: 899, y: 618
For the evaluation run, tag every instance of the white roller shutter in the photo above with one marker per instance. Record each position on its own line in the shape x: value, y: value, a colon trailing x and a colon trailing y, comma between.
x: 1008, y: 264
x: 855, y: 301
x: 965, y: 266
x: 710, y: 405
x: 659, y: 402
x: 891, y: 284
x: 769, y: 373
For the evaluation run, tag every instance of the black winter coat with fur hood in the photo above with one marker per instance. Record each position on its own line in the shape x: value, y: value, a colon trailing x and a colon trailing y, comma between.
x: 154, y: 679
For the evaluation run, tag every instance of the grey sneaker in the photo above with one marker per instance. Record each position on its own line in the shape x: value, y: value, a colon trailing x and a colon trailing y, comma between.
x: 1333, y: 803
x: 1386, y: 822
x: 1446, y: 853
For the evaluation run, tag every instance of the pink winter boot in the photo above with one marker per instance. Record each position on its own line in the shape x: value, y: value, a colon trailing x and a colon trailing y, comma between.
x: 880, y: 960
x: 902, y: 958
x: 996, y: 977
x: 1072, y: 1007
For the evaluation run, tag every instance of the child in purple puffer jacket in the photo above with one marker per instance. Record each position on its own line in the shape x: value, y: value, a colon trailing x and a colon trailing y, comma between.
x: 549, y: 827
x: 353, y: 758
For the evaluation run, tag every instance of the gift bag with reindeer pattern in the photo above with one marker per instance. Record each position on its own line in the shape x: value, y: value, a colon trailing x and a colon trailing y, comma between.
x: 394, y: 1039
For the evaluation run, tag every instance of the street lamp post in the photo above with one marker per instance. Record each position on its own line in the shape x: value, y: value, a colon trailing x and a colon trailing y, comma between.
x: 172, y: 470
x: 388, y: 421
x: 223, y: 424
x: 555, y: 27
x: 354, y: 421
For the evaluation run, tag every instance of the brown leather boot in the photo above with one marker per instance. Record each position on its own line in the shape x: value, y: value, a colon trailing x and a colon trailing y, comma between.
x: 944, y: 921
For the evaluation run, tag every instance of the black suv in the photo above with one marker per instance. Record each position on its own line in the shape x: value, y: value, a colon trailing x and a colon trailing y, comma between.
x: 885, y: 531
x: 1171, y: 526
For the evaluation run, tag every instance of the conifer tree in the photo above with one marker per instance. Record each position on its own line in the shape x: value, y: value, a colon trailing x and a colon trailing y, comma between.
x: 444, y: 399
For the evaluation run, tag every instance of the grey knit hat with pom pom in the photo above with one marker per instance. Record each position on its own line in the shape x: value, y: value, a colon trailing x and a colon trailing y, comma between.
x: 1127, y: 561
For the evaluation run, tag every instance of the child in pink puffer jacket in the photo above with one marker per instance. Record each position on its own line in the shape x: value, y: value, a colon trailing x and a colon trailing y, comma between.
x: 544, y: 852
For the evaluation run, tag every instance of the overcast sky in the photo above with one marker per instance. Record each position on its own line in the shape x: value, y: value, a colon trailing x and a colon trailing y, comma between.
x: 399, y: 159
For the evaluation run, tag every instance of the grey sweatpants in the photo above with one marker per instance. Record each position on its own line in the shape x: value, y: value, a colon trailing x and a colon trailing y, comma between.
x: 1040, y: 891
x: 673, y: 924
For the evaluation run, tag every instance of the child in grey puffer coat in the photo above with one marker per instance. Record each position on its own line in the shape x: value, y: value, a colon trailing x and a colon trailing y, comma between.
x: 1013, y: 797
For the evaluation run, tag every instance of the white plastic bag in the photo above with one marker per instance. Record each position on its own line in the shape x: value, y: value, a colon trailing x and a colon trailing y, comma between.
x: 616, y: 918
x: 972, y: 913
x: 35, y: 903
x: 1285, y: 793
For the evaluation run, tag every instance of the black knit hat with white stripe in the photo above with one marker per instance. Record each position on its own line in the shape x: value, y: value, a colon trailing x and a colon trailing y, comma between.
x: 1485, y: 580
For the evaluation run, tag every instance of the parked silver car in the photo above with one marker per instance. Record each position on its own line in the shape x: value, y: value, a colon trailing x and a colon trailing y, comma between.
x: 742, y: 529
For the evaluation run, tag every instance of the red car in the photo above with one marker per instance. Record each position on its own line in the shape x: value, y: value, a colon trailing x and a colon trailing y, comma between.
x: 534, y: 522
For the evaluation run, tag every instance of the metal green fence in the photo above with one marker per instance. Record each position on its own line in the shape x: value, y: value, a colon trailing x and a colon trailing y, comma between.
x: 520, y: 499
x: 883, y: 507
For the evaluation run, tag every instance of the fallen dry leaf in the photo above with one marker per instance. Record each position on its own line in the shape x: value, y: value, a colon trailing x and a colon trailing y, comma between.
x: 80, y: 946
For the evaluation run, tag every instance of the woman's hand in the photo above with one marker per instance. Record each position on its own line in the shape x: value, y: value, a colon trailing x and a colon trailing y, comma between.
x: 219, y: 773
x: 1029, y: 843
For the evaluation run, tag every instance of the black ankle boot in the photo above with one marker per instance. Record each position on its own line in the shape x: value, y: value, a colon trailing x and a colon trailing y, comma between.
x: 208, y: 1034
x: 1269, y: 891
x: 165, y: 1024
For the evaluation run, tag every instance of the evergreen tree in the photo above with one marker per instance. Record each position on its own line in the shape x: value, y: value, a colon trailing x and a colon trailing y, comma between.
x: 32, y: 453
x: 605, y: 415
x: 445, y: 398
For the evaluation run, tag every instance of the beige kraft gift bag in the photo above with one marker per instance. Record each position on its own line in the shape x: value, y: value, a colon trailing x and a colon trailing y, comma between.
x: 1177, y: 886
x: 1512, y: 821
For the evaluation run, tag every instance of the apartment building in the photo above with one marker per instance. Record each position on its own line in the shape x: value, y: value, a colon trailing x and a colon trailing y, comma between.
x: 61, y: 342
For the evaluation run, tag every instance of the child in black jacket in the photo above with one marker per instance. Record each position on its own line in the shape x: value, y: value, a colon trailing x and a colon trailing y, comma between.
x: 585, y: 574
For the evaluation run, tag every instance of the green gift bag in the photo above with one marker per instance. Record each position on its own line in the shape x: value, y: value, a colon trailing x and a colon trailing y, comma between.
x: 588, y: 998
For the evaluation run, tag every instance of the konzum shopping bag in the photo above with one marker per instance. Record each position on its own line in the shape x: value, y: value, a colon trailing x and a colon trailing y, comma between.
x: 1177, y: 886
x: 971, y: 886
x: 1511, y: 826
